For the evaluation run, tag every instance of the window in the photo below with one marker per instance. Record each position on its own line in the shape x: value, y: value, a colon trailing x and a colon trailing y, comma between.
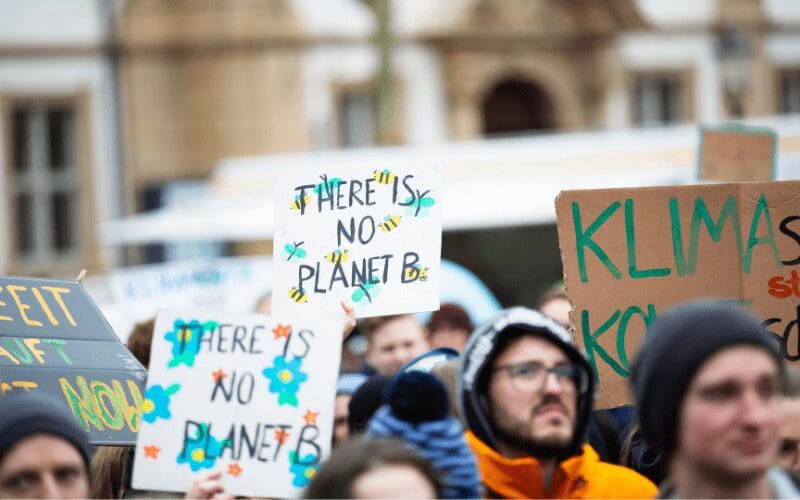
x: 44, y: 183
x: 657, y: 100
x: 790, y: 91
x: 356, y: 118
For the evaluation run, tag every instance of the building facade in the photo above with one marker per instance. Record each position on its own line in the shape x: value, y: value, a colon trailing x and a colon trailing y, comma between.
x: 113, y: 107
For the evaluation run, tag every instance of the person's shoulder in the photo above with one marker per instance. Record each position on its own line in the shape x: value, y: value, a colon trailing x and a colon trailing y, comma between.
x: 620, y: 482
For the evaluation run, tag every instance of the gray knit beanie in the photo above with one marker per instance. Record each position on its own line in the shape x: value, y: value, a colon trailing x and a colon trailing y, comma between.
x: 25, y: 414
x: 675, y: 347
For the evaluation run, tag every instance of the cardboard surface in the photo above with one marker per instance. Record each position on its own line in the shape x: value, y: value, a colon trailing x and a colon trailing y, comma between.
x: 54, y: 340
x: 737, y: 154
x: 371, y: 237
x: 629, y: 254
x: 238, y: 393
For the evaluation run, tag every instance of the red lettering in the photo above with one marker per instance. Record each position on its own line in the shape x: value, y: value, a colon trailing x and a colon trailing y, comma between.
x: 782, y: 288
x: 779, y: 289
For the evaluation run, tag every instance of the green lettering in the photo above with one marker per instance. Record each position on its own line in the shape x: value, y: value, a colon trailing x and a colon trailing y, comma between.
x: 591, y: 345
x: 81, y: 405
x: 20, y: 352
x: 131, y: 414
x: 752, y: 240
x: 112, y: 417
x: 622, y: 329
x: 677, y: 236
x: 58, y: 344
x: 631, y: 237
x: 584, y: 239
x: 701, y: 214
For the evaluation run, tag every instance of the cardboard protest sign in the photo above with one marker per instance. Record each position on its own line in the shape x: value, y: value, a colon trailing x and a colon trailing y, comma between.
x: 54, y: 340
x: 630, y: 254
x: 371, y: 237
x: 736, y: 153
x: 241, y: 394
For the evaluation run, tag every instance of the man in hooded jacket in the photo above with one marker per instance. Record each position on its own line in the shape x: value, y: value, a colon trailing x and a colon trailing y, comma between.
x: 526, y: 393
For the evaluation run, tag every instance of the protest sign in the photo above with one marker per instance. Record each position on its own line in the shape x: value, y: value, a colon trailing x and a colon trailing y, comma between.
x: 54, y: 340
x: 736, y: 153
x: 370, y: 237
x: 631, y: 254
x: 230, y: 284
x: 241, y: 394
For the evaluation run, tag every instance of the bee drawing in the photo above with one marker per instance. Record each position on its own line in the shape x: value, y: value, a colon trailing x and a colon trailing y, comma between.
x: 390, y: 223
x: 383, y: 176
x: 298, y: 295
x: 294, y: 250
x: 300, y: 203
x: 338, y: 256
x: 368, y: 290
x: 414, y: 273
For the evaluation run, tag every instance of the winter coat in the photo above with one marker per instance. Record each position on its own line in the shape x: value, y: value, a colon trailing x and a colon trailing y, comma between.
x: 579, y: 476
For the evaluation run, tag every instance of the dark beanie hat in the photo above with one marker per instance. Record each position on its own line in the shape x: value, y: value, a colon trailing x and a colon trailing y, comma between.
x: 365, y: 402
x: 417, y: 412
x: 675, y: 347
x: 25, y: 414
x: 418, y: 397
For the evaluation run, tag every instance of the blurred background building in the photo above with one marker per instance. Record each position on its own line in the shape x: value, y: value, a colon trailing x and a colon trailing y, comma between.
x: 110, y: 108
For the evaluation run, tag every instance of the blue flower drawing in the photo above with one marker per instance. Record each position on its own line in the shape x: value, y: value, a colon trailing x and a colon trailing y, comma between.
x: 156, y: 402
x: 303, y: 472
x: 185, y: 338
x: 285, y: 379
x: 201, y: 452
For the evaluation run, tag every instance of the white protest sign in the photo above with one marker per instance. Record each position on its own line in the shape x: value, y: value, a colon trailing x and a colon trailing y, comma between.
x: 241, y: 394
x: 372, y: 237
x: 229, y: 284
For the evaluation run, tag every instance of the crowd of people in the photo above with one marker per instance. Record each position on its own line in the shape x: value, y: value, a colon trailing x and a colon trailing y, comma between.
x: 501, y: 410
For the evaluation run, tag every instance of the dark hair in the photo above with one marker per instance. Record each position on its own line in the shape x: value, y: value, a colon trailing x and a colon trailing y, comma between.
x: 110, y: 475
x: 368, y: 326
x: 358, y: 456
x: 450, y: 316
x: 140, y: 339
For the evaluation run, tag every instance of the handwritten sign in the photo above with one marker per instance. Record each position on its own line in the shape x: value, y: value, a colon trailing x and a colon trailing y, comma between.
x: 54, y: 340
x: 737, y: 153
x: 630, y: 254
x: 230, y: 284
x: 371, y: 237
x: 241, y: 394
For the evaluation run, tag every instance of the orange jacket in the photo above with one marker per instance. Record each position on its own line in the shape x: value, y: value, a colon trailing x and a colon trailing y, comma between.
x: 581, y: 476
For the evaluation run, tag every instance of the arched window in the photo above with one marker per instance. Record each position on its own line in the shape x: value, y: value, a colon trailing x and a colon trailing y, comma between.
x: 517, y: 106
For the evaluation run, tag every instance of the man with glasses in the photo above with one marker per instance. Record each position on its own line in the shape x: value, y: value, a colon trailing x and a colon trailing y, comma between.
x: 526, y: 393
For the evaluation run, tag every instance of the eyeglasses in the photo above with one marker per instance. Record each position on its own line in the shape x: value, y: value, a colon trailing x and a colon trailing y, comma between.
x: 530, y: 376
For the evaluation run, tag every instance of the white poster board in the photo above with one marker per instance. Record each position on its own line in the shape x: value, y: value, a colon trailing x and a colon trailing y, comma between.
x: 371, y: 237
x: 229, y: 284
x: 241, y: 394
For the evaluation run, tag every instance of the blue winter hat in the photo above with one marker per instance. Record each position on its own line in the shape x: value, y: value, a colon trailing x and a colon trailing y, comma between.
x: 418, y: 414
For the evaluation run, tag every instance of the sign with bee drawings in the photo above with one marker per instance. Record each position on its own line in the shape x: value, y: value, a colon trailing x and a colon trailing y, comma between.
x: 371, y: 237
x: 241, y: 394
